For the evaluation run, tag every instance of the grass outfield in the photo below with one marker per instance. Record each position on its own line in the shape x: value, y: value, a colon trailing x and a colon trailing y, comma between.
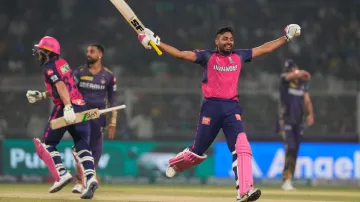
x: 170, y: 193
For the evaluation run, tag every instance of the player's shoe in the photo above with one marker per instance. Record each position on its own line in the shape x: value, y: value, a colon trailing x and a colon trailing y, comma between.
x: 64, y: 180
x: 91, y: 186
x: 78, y: 189
x: 251, y: 195
x: 287, y: 186
x: 170, y: 172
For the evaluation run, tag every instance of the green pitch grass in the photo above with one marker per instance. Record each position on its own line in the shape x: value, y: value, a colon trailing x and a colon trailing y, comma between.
x: 171, y: 193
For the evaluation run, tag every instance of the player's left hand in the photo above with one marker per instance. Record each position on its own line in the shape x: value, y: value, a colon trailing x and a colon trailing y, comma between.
x: 111, y: 131
x: 146, y: 36
x: 69, y: 114
x: 291, y: 31
x: 310, y: 120
x: 34, y: 96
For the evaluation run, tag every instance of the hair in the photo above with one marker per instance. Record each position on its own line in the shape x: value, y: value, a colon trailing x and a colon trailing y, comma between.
x: 223, y: 30
x: 99, y: 47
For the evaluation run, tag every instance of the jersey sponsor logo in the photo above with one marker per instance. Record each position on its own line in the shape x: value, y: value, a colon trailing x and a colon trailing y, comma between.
x: 49, y: 72
x: 238, y: 117
x: 54, y: 78
x: 92, y: 86
x: 225, y: 68
x: 87, y: 78
x: 296, y: 92
x: 65, y: 68
x: 205, y: 120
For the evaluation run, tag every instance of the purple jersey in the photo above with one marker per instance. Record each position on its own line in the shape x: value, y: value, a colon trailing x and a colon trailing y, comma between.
x: 97, y: 89
x: 292, y: 100
x: 59, y: 70
x: 221, y: 73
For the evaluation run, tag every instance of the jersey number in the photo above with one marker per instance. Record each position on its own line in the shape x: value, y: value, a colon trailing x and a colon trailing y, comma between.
x: 68, y: 84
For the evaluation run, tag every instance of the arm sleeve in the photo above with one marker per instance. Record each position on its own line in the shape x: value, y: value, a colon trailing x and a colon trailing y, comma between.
x: 111, y: 96
x: 51, y: 74
x: 76, y: 75
x: 306, y: 86
x: 202, y: 56
x: 245, y: 54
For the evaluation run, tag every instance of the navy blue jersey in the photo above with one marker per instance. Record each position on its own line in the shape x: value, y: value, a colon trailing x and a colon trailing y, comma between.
x: 292, y: 100
x: 97, y: 89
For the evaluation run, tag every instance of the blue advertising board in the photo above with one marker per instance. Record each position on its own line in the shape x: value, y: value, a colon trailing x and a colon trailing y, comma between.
x: 315, y: 161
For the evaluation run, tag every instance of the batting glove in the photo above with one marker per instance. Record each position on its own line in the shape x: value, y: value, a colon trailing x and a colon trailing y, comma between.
x: 291, y: 31
x: 34, y: 96
x: 146, y: 36
x: 69, y: 114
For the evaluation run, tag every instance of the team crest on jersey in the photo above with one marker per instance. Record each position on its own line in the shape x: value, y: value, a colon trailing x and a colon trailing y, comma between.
x: 65, y: 68
x: 231, y: 60
x: 205, y: 120
x: 102, y: 81
x: 49, y: 72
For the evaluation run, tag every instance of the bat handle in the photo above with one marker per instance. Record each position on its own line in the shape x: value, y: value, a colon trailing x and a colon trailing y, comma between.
x: 153, y: 45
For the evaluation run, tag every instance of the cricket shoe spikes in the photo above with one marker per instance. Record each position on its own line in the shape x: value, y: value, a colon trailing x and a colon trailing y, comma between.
x: 78, y: 189
x: 58, y: 185
x: 251, y: 195
x: 91, y: 186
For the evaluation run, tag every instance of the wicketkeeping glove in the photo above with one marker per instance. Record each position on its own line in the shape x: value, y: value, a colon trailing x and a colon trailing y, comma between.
x: 291, y: 31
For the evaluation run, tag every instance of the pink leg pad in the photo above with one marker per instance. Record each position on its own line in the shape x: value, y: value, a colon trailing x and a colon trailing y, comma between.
x: 186, y: 159
x: 46, y: 157
x: 244, y: 160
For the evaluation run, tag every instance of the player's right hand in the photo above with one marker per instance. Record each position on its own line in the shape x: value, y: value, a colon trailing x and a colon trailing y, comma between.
x: 69, y: 114
x: 34, y: 96
x: 305, y: 75
x: 146, y: 36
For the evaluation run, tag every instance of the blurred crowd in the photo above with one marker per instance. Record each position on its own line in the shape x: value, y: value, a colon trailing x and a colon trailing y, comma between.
x: 329, y: 48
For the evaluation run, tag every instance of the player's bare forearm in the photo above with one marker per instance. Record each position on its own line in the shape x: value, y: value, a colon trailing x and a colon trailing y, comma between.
x: 183, y: 55
x: 268, y: 47
x: 63, y: 92
x: 298, y: 74
x: 47, y: 94
x: 308, y: 104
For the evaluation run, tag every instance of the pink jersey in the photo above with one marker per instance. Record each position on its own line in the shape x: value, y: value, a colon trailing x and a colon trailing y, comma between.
x: 59, y: 70
x: 221, y: 73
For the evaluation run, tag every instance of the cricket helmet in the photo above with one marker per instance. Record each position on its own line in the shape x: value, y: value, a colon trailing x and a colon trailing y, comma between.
x: 289, y: 64
x: 50, y: 44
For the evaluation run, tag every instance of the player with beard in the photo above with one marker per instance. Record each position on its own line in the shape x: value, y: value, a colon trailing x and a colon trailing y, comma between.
x: 97, y: 84
x: 220, y: 108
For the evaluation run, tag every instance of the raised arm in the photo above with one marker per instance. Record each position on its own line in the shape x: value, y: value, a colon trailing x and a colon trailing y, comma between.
x: 148, y: 35
x: 182, y: 55
x: 291, y: 31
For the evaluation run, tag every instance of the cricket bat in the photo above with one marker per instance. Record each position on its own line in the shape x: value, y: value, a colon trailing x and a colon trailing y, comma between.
x: 83, y: 116
x: 133, y: 20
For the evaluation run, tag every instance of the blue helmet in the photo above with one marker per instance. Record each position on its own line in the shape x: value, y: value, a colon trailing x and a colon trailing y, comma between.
x: 289, y: 64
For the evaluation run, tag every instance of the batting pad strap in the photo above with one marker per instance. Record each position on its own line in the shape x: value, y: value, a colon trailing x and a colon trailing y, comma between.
x: 185, y: 160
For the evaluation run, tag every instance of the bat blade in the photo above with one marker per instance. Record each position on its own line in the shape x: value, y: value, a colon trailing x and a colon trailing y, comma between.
x: 83, y: 116
x: 132, y: 19
x: 80, y: 117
